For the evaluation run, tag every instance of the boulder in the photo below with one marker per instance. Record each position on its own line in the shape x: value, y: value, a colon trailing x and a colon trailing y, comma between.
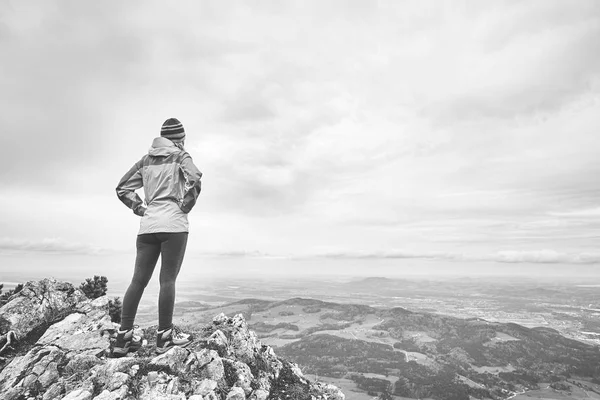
x: 79, y: 332
x: 238, y: 374
x: 219, y: 342
x: 236, y: 393
x: 174, y: 359
x: 80, y: 362
x: 39, y: 304
x: 79, y: 394
x: 210, y: 365
x: 259, y: 394
x: 220, y: 319
x: 24, y: 372
x: 243, y: 342
x: 204, y: 387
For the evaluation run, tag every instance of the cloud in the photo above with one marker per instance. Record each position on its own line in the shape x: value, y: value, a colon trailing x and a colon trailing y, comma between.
x: 545, y: 257
x: 240, y: 254
x: 519, y: 60
x: 392, y: 254
x: 507, y: 256
x: 48, y: 246
x: 352, y: 123
x: 588, y: 212
x: 69, y: 85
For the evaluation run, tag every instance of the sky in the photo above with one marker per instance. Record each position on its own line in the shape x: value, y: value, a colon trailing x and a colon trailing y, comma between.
x: 460, y: 130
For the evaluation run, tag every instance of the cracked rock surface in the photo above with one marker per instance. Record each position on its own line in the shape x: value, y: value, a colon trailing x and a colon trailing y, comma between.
x: 68, y: 361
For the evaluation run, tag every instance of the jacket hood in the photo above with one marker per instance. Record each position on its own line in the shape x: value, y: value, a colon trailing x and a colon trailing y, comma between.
x: 162, y: 147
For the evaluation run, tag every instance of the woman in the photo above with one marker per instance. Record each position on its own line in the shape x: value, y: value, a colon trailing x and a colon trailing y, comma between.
x: 171, y: 185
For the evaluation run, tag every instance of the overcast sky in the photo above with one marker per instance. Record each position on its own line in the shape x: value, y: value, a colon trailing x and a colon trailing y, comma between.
x: 453, y: 130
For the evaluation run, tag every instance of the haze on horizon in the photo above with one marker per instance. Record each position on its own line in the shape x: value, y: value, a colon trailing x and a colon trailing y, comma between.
x: 460, y: 132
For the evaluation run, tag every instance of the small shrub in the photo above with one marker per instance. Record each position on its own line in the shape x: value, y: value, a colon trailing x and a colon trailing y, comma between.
x: 4, y: 325
x: 561, y: 386
x: 5, y: 296
x: 311, y: 309
x: 114, y: 310
x: 94, y: 288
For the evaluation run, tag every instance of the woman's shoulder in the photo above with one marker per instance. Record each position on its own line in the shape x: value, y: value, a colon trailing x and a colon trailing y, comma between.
x: 183, y: 155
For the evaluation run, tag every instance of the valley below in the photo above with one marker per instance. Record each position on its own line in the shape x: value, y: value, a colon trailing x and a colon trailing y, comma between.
x: 421, y: 338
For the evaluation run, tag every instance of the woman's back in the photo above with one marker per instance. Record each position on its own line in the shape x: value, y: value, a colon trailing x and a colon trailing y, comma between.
x: 171, y: 185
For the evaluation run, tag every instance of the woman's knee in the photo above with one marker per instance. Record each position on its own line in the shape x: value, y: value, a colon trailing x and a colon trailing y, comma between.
x: 167, y: 283
x: 139, y: 284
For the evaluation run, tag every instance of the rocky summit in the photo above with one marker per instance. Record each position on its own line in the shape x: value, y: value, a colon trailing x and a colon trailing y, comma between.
x: 54, y: 345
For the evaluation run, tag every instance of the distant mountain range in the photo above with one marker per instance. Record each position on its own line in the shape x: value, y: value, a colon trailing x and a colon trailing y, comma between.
x: 397, y: 352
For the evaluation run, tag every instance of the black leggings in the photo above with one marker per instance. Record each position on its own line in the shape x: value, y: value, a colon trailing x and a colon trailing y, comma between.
x: 171, y: 248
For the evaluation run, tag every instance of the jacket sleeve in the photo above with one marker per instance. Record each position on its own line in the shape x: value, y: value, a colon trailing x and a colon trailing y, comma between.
x: 193, y: 184
x: 131, y: 181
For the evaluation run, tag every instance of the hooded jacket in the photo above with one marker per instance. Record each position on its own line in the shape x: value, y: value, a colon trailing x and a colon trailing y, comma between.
x: 171, y: 185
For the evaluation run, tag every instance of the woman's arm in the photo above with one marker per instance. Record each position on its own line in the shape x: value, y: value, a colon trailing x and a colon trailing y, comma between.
x: 193, y: 184
x: 131, y: 181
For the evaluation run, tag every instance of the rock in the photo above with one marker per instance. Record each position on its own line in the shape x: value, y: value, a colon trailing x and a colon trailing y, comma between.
x: 239, y: 321
x: 173, y: 386
x: 231, y: 338
x: 210, y: 365
x: 236, y: 393
x: 120, y: 394
x: 161, y: 391
x: 174, y: 359
x: 54, y: 391
x: 36, y: 359
x: 204, y: 387
x: 238, y: 374
x: 218, y: 341
x: 78, y: 394
x: 95, y: 308
x: 119, y: 364
x: 49, y: 376
x: 212, y: 396
x: 113, y: 373
x: 220, y: 319
x: 29, y: 382
x: 267, y: 361
x: 80, y: 332
x: 133, y: 370
x: 152, y: 377
x: 262, y: 381
x: 297, y: 372
x: 12, y: 394
x: 290, y: 382
x: 243, y: 342
x: 39, y: 304
x: 81, y: 362
x: 117, y: 380
x: 259, y: 394
x: 85, y: 384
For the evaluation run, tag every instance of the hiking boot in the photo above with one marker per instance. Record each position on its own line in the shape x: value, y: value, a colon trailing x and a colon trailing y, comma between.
x: 125, y: 342
x: 166, y: 339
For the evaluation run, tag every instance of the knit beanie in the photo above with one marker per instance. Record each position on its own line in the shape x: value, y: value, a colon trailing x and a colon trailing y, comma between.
x: 172, y: 129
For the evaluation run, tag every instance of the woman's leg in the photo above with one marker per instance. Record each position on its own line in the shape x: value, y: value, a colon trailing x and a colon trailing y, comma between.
x: 172, y: 252
x: 148, y: 250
